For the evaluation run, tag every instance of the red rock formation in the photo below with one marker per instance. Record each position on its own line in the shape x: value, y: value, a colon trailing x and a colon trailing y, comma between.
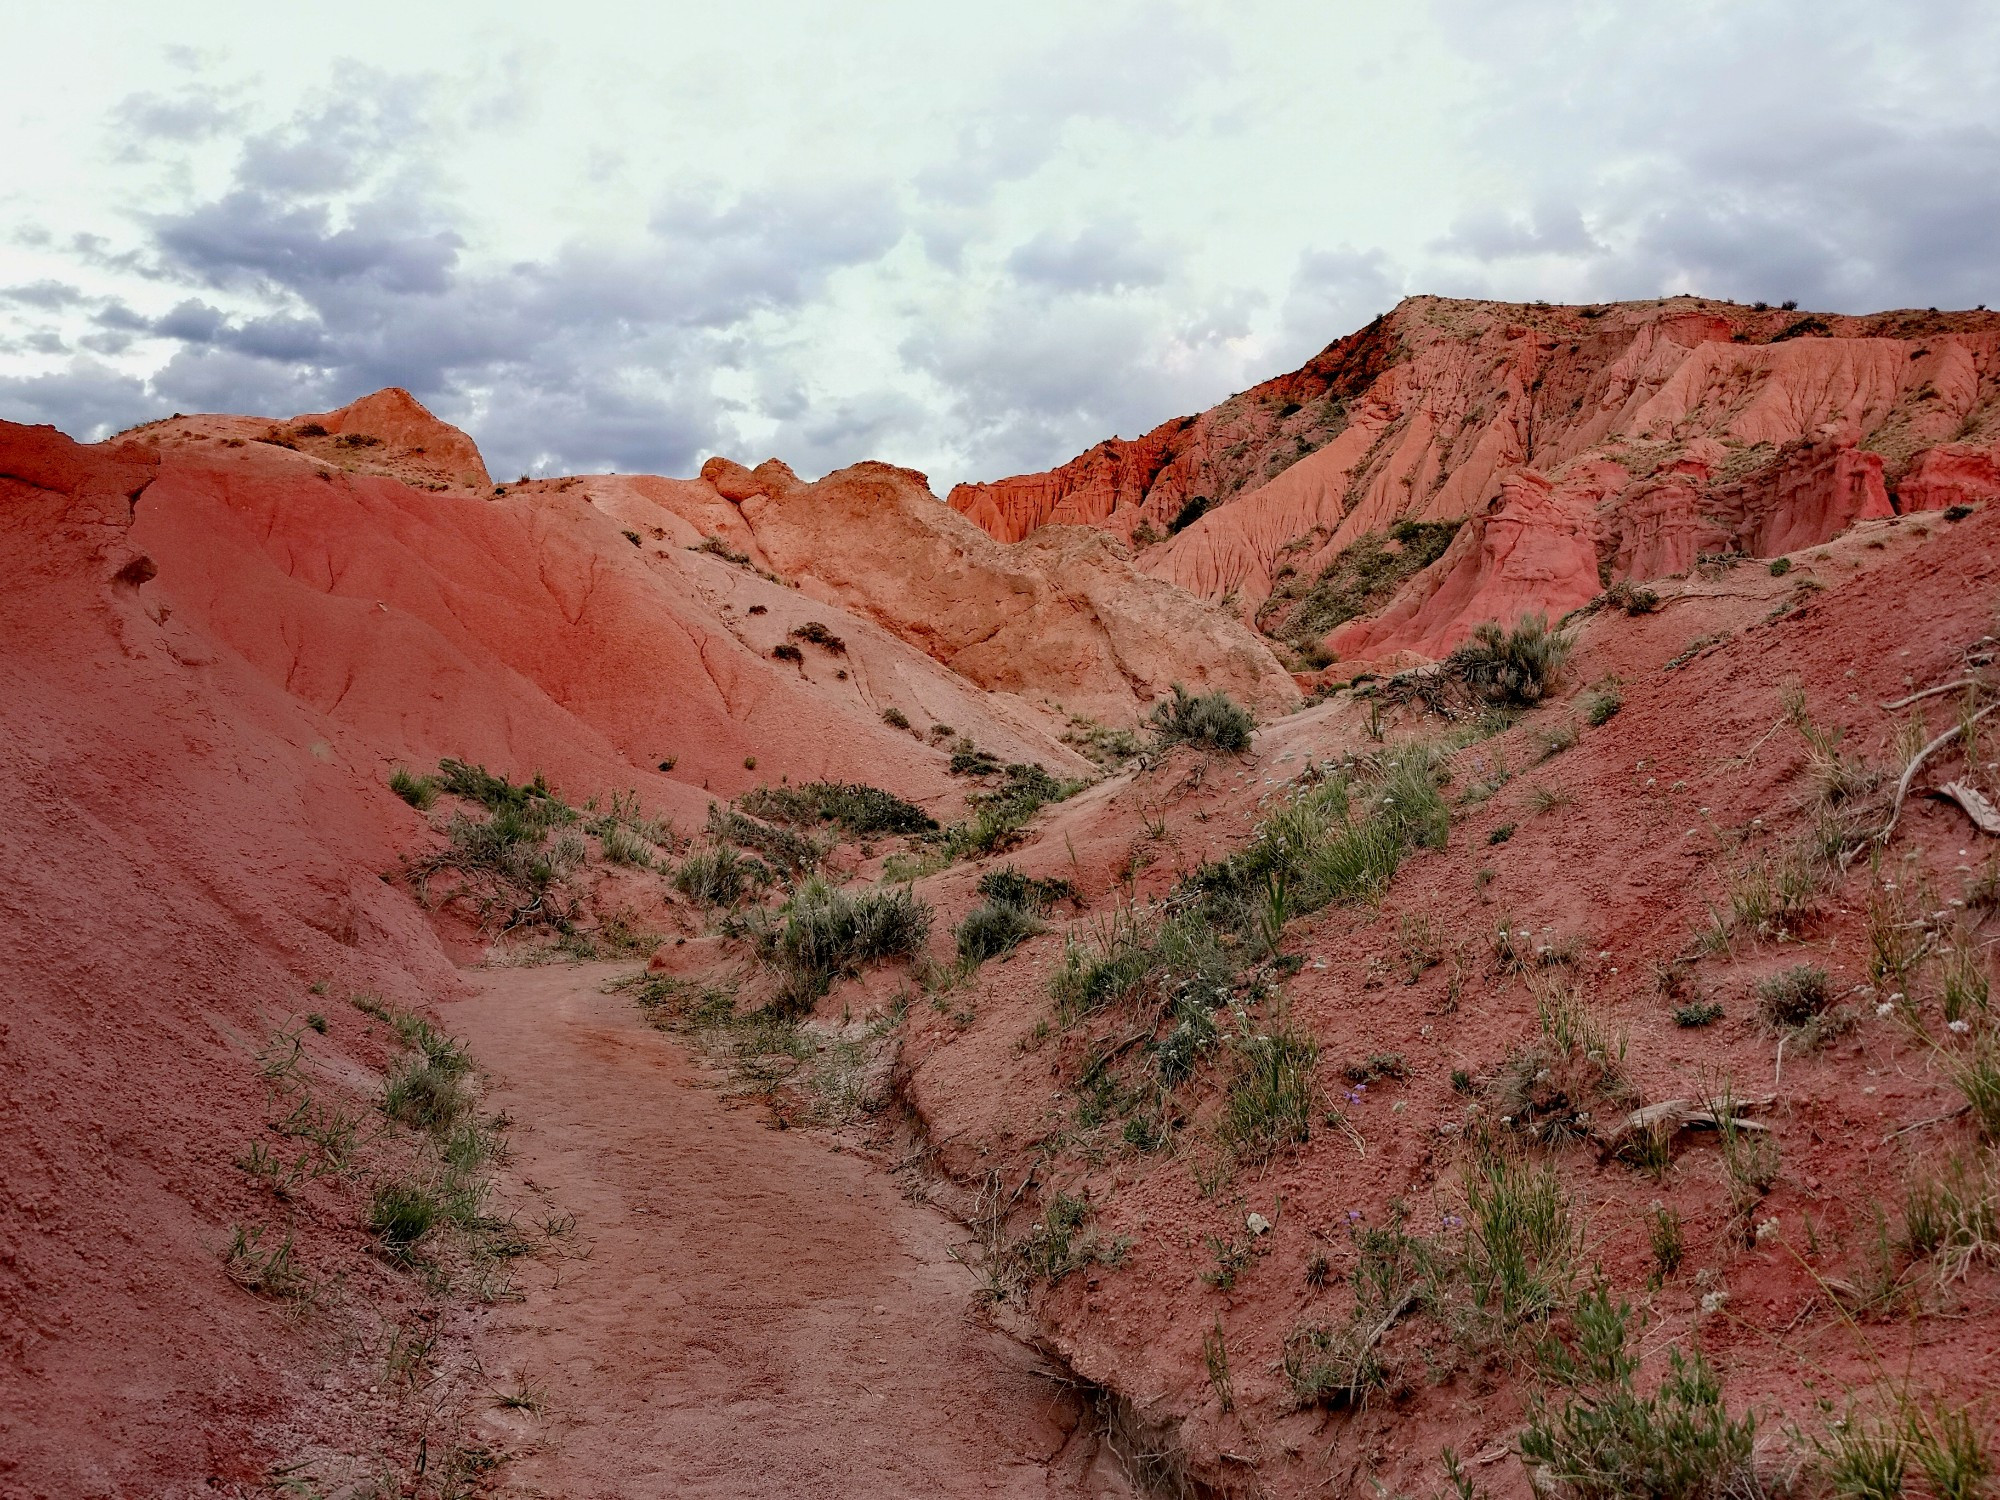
x: 1151, y: 481
x: 1692, y: 426
x: 1535, y: 552
x: 1954, y: 474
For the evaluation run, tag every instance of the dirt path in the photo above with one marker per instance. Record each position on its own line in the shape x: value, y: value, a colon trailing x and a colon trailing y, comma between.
x: 752, y: 1313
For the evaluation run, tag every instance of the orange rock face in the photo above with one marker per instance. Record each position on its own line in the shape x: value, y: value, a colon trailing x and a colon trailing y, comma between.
x: 1535, y: 552
x: 1684, y: 426
x: 408, y: 442
x: 1063, y: 619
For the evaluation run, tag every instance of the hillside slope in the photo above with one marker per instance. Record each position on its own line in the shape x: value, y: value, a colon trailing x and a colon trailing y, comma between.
x: 1205, y: 1236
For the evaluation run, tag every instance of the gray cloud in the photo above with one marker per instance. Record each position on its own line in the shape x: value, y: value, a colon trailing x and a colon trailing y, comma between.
x: 85, y: 396
x: 1844, y: 155
x: 317, y: 277
x: 1022, y: 289
x: 1101, y: 258
x: 1332, y: 293
x: 47, y: 294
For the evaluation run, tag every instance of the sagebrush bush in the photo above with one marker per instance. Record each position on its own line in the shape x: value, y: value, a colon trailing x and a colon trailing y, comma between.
x: 1511, y: 667
x: 1794, y: 998
x: 1633, y: 598
x: 1210, y: 720
x: 718, y: 876
x: 621, y: 846
x: 816, y: 633
x: 825, y: 933
x: 1035, y: 893
x: 996, y: 927
x: 857, y: 809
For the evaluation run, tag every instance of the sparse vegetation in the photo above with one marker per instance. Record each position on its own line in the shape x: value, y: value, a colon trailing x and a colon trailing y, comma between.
x: 1553, y: 741
x: 1554, y: 1088
x: 1698, y: 1013
x: 719, y: 876
x: 1867, y: 1455
x: 1332, y: 1367
x: 1064, y: 1241
x: 715, y: 546
x: 998, y: 815
x: 515, y: 864
x: 1601, y: 704
x: 1272, y: 1093
x: 1608, y: 1442
x: 995, y: 927
x: 1795, y: 998
x: 794, y: 853
x: 1209, y: 721
x: 1011, y: 913
x: 1359, y: 581
x: 421, y: 792
x: 815, y: 633
x: 1106, y: 746
x: 895, y: 718
x: 1633, y: 598
x: 1521, y: 1243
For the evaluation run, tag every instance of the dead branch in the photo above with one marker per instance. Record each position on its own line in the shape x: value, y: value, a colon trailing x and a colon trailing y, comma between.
x: 1917, y: 764
x: 1950, y: 1114
x: 1675, y: 1115
x: 1932, y: 692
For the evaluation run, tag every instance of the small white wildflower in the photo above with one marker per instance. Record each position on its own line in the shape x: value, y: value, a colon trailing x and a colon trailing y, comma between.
x: 1767, y: 1230
x: 1885, y: 1009
x: 1961, y: 1027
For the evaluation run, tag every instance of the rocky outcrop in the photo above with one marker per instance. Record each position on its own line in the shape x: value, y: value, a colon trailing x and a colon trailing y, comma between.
x: 391, y: 432
x: 1953, y: 474
x: 1063, y: 620
x: 1152, y: 486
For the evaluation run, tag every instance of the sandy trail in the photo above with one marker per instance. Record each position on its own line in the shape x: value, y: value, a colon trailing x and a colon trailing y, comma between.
x: 757, y: 1314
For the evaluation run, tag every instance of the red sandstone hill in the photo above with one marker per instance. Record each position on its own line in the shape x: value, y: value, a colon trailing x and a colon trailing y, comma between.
x: 1585, y: 444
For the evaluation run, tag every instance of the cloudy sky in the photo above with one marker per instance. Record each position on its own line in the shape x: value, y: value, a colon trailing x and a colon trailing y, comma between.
x: 972, y: 240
